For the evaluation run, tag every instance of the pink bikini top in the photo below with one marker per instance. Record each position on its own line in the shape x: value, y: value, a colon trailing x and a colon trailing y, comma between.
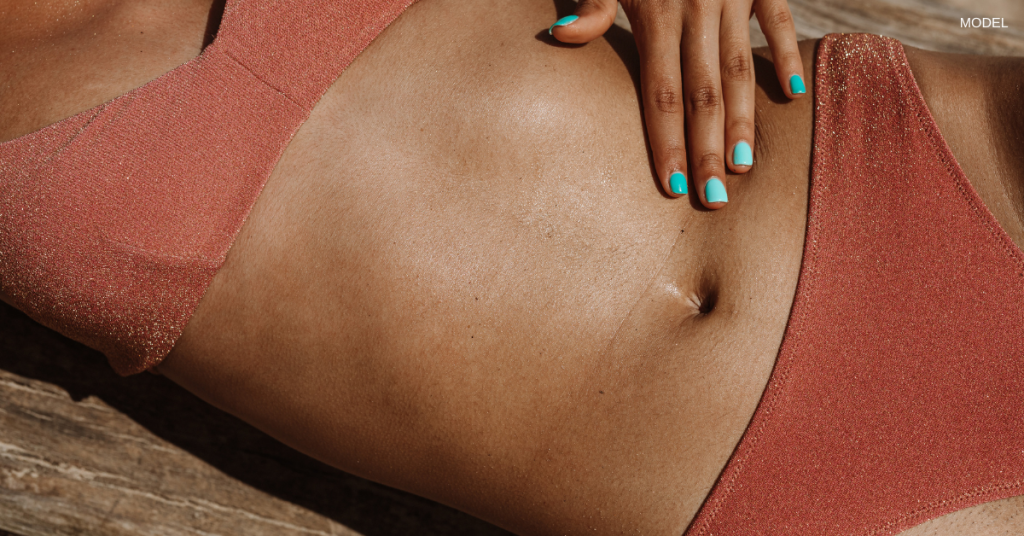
x: 898, y: 393
x: 114, y: 221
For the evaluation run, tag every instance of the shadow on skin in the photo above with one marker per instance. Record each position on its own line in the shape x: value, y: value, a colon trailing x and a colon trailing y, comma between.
x: 221, y: 440
x: 622, y: 42
x: 213, y: 22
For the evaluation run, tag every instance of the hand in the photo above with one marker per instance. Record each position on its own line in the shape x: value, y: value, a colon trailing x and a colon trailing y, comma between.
x: 695, y: 62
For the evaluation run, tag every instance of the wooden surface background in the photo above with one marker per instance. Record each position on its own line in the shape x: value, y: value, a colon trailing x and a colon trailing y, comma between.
x: 84, y: 452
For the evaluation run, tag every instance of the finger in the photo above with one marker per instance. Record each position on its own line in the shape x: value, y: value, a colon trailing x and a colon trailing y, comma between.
x: 590, y: 20
x: 702, y: 89
x: 657, y: 37
x: 777, y: 25
x: 738, y: 88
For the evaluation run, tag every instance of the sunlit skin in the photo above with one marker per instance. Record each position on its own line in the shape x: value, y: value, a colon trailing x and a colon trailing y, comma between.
x: 464, y: 280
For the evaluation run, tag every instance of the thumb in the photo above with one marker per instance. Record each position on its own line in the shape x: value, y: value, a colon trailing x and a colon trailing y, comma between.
x: 590, y: 20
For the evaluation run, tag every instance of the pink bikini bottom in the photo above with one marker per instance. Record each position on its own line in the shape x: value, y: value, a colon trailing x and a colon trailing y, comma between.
x: 897, y: 393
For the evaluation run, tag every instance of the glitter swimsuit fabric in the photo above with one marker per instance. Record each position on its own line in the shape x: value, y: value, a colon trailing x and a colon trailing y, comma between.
x: 113, y: 222
x: 896, y: 396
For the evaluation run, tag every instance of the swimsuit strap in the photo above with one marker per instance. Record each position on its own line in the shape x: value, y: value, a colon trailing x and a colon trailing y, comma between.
x: 113, y: 222
x: 896, y: 396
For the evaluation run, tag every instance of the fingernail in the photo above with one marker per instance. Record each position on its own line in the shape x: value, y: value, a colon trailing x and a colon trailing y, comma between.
x: 677, y: 183
x: 714, y: 191
x: 796, y: 84
x: 741, y: 155
x: 564, y: 21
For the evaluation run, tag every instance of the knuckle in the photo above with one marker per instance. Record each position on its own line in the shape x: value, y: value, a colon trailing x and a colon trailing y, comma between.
x: 711, y: 163
x: 705, y: 99
x: 596, y: 6
x: 673, y: 153
x: 778, y: 19
x: 741, y: 126
x: 666, y: 98
x: 738, y: 68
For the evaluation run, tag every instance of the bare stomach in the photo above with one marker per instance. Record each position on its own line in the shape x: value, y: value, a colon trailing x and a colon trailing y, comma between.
x: 463, y: 281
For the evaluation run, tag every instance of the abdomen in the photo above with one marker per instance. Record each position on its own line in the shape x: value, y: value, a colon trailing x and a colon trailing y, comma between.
x: 462, y: 280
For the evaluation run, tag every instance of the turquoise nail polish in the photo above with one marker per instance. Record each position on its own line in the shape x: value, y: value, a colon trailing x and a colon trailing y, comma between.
x: 741, y: 155
x: 564, y: 21
x: 796, y: 84
x: 677, y: 183
x: 714, y: 191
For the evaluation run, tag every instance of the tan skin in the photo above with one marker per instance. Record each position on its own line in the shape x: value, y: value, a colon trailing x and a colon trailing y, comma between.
x: 463, y: 280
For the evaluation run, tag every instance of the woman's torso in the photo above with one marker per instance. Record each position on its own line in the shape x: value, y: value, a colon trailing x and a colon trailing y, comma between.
x: 462, y: 280
x: 488, y: 267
